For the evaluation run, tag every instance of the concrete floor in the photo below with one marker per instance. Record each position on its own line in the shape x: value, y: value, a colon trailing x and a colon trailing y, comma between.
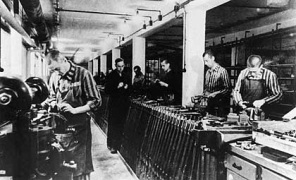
x: 107, y: 166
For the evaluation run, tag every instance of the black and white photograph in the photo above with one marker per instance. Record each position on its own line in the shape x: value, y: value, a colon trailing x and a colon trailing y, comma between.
x: 147, y: 89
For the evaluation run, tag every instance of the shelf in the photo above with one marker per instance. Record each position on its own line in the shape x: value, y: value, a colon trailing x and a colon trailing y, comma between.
x: 275, y: 50
x: 292, y: 105
x: 281, y: 65
x: 289, y: 91
x: 277, y: 116
x: 235, y: 67
x: 286, y: 78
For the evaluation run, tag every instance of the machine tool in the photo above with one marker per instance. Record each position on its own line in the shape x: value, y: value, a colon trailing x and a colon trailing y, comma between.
x: 33, y: 141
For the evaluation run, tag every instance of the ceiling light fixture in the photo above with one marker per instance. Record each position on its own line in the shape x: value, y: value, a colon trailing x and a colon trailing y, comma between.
x: 177, y: 7
x: 144, y: 25
x: 150, y: 20
x: 151, y: 10
x: 120, y: 36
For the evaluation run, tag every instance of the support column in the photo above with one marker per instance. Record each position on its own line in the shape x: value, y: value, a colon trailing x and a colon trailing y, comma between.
x: 139, y: 53
x: 95, y: 66
x: 193, y: 48
x: 90, y: 66
x: 103, y: 61
x: 115, y: 55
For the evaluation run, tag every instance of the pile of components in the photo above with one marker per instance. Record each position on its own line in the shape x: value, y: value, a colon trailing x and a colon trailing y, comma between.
x: 34, y: 143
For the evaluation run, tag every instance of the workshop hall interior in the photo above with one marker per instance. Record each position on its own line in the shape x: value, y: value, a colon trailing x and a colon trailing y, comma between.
x: 148, y: 90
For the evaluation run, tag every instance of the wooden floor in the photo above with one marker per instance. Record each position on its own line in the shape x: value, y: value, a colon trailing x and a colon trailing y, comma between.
x: 107, y: 166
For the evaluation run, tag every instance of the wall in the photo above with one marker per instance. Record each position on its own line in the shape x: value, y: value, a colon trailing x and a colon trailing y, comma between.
x: 13, y: 53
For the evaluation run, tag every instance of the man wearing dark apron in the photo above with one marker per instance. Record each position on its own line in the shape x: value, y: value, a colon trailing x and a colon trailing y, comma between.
x: 256, y: 86
x: 76, y: 95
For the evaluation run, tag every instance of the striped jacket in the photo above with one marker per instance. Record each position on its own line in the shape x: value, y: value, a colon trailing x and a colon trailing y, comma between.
x: 217, y: 79
x: 274, y: 92
x: 82, y: 83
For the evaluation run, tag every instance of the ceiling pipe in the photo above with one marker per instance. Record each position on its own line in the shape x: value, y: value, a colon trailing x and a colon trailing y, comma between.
x: 5, y: 14
x: 151, y: 10
x: 34, y: 12
x: 92, y: 12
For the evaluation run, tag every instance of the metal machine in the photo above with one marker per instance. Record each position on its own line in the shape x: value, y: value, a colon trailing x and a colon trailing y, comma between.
x: 33, y: 142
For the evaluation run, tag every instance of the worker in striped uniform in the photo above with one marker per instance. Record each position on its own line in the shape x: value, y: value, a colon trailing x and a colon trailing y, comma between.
x: 256, y: 86
x: 217, y: 86
x: 76, y: 95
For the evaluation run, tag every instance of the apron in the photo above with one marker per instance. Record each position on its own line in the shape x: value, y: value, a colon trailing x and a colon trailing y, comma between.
x: 252, y: 90
x: 80, y: 146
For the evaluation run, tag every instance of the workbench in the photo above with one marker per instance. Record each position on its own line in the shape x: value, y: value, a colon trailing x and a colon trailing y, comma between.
x: 161, y: 143
x: 244, y: 164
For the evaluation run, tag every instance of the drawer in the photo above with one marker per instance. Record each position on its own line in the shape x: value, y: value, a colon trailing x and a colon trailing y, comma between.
x: 233, y: 176
x: 241, y: 167
x: 268, y: 175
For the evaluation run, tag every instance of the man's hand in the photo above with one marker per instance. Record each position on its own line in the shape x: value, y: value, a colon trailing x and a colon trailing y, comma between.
x: 120, y: 85
x: 206, y: 93
x: 125, y: 86
x: 163, y: 84
x: 65, y: 107
x: 242, y: 104
x: 259, y: 103
x: 211, y: 95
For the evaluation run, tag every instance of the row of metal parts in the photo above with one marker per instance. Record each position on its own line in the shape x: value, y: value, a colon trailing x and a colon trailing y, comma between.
x: 160, y: 144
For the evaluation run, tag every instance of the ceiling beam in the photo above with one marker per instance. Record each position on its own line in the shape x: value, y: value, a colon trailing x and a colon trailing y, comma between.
x: 169, y: 47
x: 165, y: 38
x: 166, y: 41
x: 170, y: 35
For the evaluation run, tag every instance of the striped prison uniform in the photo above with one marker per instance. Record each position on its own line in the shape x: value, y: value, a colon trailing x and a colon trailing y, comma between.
x: 274, y: 92
x: 217, y: 79
x: 78, y: 75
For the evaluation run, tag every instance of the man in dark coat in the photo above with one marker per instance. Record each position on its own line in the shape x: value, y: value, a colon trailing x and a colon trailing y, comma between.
x: 169, y: 84
x: 118, y: 87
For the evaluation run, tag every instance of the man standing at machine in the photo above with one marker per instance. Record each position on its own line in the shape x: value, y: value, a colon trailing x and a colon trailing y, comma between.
x: 169, y: 84
x: 118, y: 86
x: 217, y: 85
x: 76, y: 95
x: 256, y: 86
